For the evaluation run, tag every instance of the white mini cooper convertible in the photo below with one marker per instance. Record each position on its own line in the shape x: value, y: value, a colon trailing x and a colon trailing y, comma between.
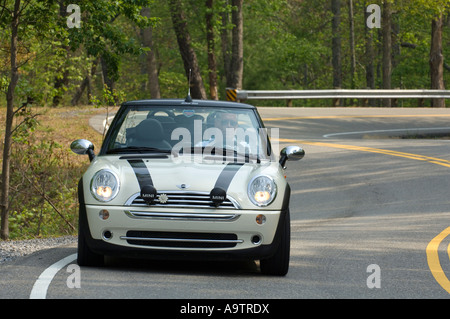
x: 186, y: 179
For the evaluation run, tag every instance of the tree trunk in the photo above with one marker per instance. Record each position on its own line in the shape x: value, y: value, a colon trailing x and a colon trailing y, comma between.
x: 237, y: 46
x: 352, y: 43
x: 225, y: 45
x: 107, y: 78
x: 369, y: 58
x: 187, y: 52
x: 151, y: 64
x: 387, y: 48
x: 212, y: 67
x: 61, y: 81
x: 437, y: 60
x: 4, y: 231
x: 336, y: 47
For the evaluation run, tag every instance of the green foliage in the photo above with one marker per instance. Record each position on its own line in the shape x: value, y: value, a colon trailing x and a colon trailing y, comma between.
x: 287, y: 45
x: 109, y: 97
x: 44, y: 184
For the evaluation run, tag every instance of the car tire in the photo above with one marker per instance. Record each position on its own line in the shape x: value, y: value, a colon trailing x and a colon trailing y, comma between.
x: 278, y: 264
x: 86, y: 257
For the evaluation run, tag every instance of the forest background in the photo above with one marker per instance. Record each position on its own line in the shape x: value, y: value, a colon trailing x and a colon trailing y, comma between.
x: 136, y: 49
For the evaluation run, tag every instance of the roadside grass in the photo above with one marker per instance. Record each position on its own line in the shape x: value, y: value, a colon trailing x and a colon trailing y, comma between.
x: 45, y: 172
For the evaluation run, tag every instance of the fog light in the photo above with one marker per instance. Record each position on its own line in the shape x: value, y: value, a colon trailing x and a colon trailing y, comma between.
x: 107, y: 235
x: 260, y: 219
x: 103, y: 214
x: 256, y: 240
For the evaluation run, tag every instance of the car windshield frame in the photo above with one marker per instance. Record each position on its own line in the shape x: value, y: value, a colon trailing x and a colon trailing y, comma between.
x: 247, y: 116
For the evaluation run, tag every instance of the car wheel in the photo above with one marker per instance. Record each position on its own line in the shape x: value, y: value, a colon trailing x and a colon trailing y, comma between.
x: 86, y: 257
x: 278, y: 264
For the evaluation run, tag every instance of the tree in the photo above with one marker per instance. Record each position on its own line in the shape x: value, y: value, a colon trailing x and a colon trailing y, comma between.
x: 387, y: 48
x: 188, y: 55
x: 434, y: 12
x: 212, y: 66
x: 237, y: 46
x: 233, y: 44
x: 103, y: 38
x: 336, y: 46
x: 437, y: 59
x: 12, y: 20
x: 369, y: 57
x: 14, y: 78
x: 61, y: 79
x: 352, y: 43
x: 28, y: 23
x: 150, y: 58
x: 225, y: 43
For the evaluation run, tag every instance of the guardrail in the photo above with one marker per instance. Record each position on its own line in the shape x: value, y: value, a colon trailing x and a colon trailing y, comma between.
x: 242, y: 95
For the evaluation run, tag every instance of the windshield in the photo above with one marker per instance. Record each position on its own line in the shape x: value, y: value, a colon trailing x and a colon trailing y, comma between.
x: 206, y: 131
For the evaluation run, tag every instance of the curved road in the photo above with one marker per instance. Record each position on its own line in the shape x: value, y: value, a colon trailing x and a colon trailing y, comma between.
x: 370, y: 219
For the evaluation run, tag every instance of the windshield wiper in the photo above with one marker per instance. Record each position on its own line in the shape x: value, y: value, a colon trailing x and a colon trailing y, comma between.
x: 137, y: 149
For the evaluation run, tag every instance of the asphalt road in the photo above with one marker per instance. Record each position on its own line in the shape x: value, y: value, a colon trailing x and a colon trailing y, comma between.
x: 370, y: 219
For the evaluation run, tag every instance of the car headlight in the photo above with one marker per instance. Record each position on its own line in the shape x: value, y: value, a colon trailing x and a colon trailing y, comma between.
x: 104, y: 185
x: 262, y: 190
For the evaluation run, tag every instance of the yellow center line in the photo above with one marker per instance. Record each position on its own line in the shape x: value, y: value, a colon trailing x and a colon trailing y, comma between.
x: 417, y: 157
x: 448, y: 251
x: 433, y: 259
x: 432, y: 248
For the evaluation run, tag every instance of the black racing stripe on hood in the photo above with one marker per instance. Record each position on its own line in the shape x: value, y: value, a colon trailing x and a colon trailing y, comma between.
x: 141, y: 171
x: 227, y: 175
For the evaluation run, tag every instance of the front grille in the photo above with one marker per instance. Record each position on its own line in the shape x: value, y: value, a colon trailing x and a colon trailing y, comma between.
x: 168, y: 215
x: 181, y: 240
x: 183, y: 200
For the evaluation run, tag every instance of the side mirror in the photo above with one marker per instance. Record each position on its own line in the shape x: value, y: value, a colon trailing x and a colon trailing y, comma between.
x: 83, y: 147
x: 291, y: 153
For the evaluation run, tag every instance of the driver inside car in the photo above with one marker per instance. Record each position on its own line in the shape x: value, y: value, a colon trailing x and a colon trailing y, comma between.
x: 224, y: 133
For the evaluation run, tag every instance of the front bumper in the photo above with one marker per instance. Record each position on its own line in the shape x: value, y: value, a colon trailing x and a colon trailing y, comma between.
x: 131, y: 231
x: 121, y: 220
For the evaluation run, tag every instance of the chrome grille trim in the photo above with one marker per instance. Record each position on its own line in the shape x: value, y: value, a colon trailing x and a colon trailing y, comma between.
x: 182, y: 216
x: 183, y: 199
x: 181, y: 240
x: 185, y: 240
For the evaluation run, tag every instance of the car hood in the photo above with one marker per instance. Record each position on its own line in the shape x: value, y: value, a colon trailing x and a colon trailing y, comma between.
x: 181, y: 174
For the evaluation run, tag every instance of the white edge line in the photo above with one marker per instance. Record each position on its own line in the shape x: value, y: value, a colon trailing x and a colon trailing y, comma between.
x: 392, y: 130
x: 41, y: 285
